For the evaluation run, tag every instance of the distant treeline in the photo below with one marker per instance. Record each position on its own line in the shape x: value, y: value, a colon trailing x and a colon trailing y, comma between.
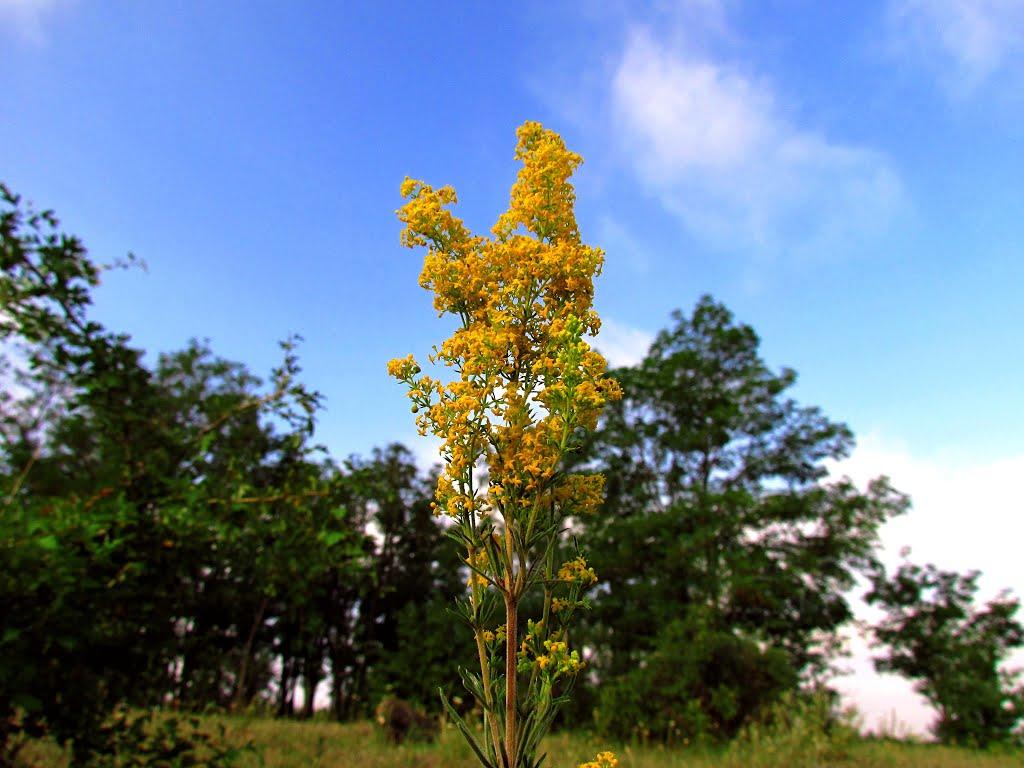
x: 170, y: 535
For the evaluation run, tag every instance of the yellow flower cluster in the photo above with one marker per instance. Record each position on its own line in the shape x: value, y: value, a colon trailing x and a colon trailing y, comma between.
x: 556, y: 660
x: 478, y: 562
x: 525, y: 381
x: 603, y: 760
x: 578, y: 571
x: 491, y: 637
x: 560, y: 659
x: 542, y: 199
x: 560, y: 604
x: 580, y: 494
x: 403, y: 367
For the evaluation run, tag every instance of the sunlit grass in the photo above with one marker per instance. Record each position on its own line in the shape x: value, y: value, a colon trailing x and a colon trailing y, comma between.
x: 291, y: 744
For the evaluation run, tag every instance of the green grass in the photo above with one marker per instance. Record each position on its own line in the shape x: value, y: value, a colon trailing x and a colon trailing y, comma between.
x: 289, y: 744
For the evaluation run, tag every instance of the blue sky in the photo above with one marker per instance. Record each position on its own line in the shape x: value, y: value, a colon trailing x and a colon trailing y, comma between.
x: 845, y: 176
x: 844, y: 183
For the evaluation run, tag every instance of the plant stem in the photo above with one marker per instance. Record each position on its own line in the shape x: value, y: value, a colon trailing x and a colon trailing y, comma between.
x: 485, y: 678
x: 485, y: 672
x: 511, y: 648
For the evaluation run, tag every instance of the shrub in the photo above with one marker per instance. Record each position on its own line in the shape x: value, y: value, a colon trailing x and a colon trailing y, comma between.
x: 700, y: 681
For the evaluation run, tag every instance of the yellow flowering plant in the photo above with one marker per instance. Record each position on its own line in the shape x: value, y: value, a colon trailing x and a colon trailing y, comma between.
x: 523, y: 387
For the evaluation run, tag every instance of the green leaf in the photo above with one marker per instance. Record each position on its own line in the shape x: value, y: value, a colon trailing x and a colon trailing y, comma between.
x: 467, y: 734
x: 332, y: 537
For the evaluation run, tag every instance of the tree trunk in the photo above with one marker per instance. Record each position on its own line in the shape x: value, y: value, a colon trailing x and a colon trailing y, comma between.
x: 312, y: 674
x: 238, y: 699
x: 337, y: 684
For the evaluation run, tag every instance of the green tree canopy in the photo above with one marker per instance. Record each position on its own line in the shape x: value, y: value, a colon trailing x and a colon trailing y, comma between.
x: 718, y: 501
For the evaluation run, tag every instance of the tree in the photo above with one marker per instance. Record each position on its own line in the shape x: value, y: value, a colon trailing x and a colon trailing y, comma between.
x: 390, y: 630
x: 717, y: 476
x: 172, y: 532
x: 526, y: 386
x: 46, y: 279
x: 409, y: 645
x: 57, y: 672
x: 128, y: 499
x: 932, y: 633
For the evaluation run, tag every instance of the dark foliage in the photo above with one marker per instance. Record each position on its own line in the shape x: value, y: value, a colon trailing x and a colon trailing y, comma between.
x: 934, y: 634
x: 699, y: 681
x: 718, y: 507
x: 171, y: 536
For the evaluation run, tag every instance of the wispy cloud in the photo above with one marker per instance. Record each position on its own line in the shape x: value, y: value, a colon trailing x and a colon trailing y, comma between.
x: 26, y: 18
x: 713, y: 142
x: 965, y: 42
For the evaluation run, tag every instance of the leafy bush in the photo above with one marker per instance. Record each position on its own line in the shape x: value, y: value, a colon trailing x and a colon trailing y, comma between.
x: 152, y: 741
x: 701, y: 681
x: 71, y: 646
x: 934, y: 634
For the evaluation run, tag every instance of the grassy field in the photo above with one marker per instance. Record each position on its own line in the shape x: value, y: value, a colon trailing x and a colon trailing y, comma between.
x: 285, y: 744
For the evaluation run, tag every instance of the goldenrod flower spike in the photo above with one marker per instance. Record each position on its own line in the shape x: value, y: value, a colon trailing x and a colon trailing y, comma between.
x: 521, y: 387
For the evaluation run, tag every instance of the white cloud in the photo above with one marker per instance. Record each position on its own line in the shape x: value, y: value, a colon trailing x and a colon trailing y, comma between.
x: 714, y: 144
x: 26, y: 17
x: 688, y: 114
x: 966, y: 41
x: 965, y: 516
x: 621, y: 344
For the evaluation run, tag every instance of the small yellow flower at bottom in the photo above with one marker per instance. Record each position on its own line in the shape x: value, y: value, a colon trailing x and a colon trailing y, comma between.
x: 603, y: 760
